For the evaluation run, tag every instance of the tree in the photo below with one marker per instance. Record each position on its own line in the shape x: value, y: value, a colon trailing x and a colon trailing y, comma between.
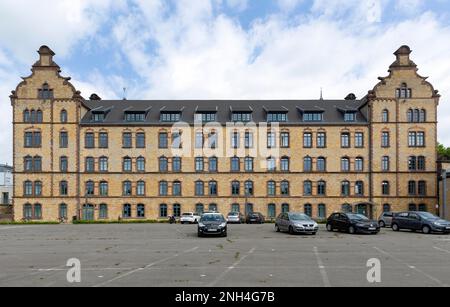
x: 443, y: 151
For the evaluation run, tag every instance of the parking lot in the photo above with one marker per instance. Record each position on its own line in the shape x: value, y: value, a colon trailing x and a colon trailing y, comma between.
x: 251, y: 256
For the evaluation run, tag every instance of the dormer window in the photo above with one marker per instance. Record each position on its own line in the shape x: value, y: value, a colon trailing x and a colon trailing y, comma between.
x: 404, y: 92
x: 243, y: 117
x: 273, y: 117
x: 133, y: 117
x: 206, y: 117
x: 312, y: 116
x: 98, y: 117
x: 350, y: 117
x: 170, y: 117
x: 45, y: 92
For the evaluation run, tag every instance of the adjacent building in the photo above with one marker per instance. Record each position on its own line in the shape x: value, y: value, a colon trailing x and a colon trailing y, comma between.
x: 129, y: 159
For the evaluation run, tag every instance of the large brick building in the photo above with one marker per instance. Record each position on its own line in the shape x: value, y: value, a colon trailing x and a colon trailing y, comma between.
x: 127, y: 159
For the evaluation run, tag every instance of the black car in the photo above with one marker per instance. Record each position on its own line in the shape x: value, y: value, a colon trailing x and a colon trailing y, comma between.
x: 255, y: 218
x: 212, y: 224
x: 420, y: 221
x: 352, y: 223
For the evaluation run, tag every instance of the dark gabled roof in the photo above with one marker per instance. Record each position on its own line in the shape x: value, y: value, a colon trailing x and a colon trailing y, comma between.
x: 332, y: 110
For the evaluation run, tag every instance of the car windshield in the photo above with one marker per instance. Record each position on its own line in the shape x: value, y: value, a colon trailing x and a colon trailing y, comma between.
x: 358, y: 217
x: 427, y: 216
x: 188, y: 214
x: 233, y: 214
x: 299, y: 217
x: 212, y: 218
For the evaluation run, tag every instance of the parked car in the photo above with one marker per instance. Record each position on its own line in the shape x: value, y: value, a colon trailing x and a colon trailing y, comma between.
x: 296, y: 223
x: 352, y: 223
x: 235, y: 218
x: 385, y: 219
x: 212, y: 224
x: 255, y: 218
x: 420, y: 221
x: 189, y: 218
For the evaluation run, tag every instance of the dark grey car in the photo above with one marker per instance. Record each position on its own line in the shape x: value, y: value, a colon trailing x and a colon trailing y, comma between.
x: 385, y: 219
x: 296, y: 223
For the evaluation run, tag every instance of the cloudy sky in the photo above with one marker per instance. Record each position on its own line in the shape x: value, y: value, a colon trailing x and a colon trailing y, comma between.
x: 199, y: 49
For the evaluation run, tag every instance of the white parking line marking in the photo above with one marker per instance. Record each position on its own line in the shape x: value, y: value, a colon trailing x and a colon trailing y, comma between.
x: 229, y: 269
x: 13, y: 227
x: 411, y: 267
x: 441, y: 249
x: 146, y: 267
x: 323, y: 271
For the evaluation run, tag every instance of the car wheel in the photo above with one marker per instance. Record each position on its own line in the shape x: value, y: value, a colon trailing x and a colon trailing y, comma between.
x: 277, y: 229
x: 329, y: 228
x: 351, y: 230
x: 382, y: 224
x: 426, y: 230
x: 395, y: 227
x: 291, y: 230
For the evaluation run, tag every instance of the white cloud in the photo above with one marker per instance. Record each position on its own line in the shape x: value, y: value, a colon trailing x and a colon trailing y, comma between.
x: 239, y: 5
x: 409, y: 6
x: 287, y: 5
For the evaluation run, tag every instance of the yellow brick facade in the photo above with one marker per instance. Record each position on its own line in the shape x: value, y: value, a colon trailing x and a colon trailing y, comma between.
x: 66, y: 98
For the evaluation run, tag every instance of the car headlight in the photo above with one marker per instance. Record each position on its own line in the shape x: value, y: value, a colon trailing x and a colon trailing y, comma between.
x: 298, y: 225
x: 201, y: 225
x: 223, y: 225
x: 438, y: 224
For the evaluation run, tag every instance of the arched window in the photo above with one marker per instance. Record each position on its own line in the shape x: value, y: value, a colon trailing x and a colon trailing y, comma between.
x: 63, y: 188
x: 45, y: 92
x: 347, y: 208
x: 423, y: 116
x: 140, y: 211
x: 235, y: 164
x: 103, y: 211
x: 103, y: 188
x: 32, y: 116
x: 385, y: 188
x: 386, y: 208
x: 212, y: 187
x: 39, y: 116
x: 271, y: 211
x: 163, y: 188
x: 359, y: 188
x: 307, y: 164
x: 199, y: 188
x: 177, y: 210
x: 412, y: 188
x: 163, y: 210
x: 410, y: 115
x: 271, y: 164
x: 308, y: 210
x: 63, y: 212
x: 163, y: 164
x: 63, y: 164
x: 199, y: 209
x: 63, y: 116
x: 28, y: 164
x: 213, y: 164
x: 127, y: 188
x: 249, y: 189
x: 345, y: 164
x: 285, y: 208
x: 127, y: 165
x: 26, y: 116
x: 126, y: 211
x: 249, y: 164
x: 412, y: 163
x: 140, y: 188
x: 37, y: 188
x: 321, y: 188
x: 103, y: 164
x: 416, y: 116
x: 403, y: 92
x: 385, y: 116
x: 421, y: 163
x: 176, y: 164
x: 28, y: 211
x: 345, y: 188
x: 284, y: 186
x: 37, y: 164
x: 176, y: 188
x: 90, y: 164
x: 37, y: 212
x: 284, y: 165
x: 307, y: 188
x: 213, y: 207
x: 322, y: 211
x: 90, y: 188
x: 235, y: 188
x: 321, y: 164
x: 359, y: 164
x: 140, y: 164
x: 271, y: 188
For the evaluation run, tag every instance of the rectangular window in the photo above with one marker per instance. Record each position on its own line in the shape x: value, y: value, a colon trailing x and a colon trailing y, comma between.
x: 89, y: 140
x: 284, y: 140
x: 385, y: 164
x: 359, y: 140
x: 170, y: 117
x: 98, y: 117
x: 176, y: 140
x: 205, y: 117
x: 127, y: 140
x: 271, y: 140
x: 163, y: 140
x: 235, y: 138
x: 313, y: 117
x: 248, y: 140
x: 63, y: 139
x: 135, y: 116
x: 350, y: 117
x: 277, y: 117
x: 321, y: 140
x: 103, y: 140
x: 199, y: 164
x: 307, y: 140
x: 242, y: 117
x: 199, y: 140
x: 140, y: 140
x: 385, y: 139
x: 345, y: 140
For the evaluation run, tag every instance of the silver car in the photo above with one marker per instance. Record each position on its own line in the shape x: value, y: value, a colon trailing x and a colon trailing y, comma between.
x: 296, y: 223
x: 235, y: 218
x: 385, y: 219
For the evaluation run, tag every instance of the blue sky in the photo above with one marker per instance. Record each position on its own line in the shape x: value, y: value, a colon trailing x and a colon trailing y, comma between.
x: 198, y: 49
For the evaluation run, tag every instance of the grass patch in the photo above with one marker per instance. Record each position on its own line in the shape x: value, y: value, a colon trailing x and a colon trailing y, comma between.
x: 29, y: 223
x: 120, y: 222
